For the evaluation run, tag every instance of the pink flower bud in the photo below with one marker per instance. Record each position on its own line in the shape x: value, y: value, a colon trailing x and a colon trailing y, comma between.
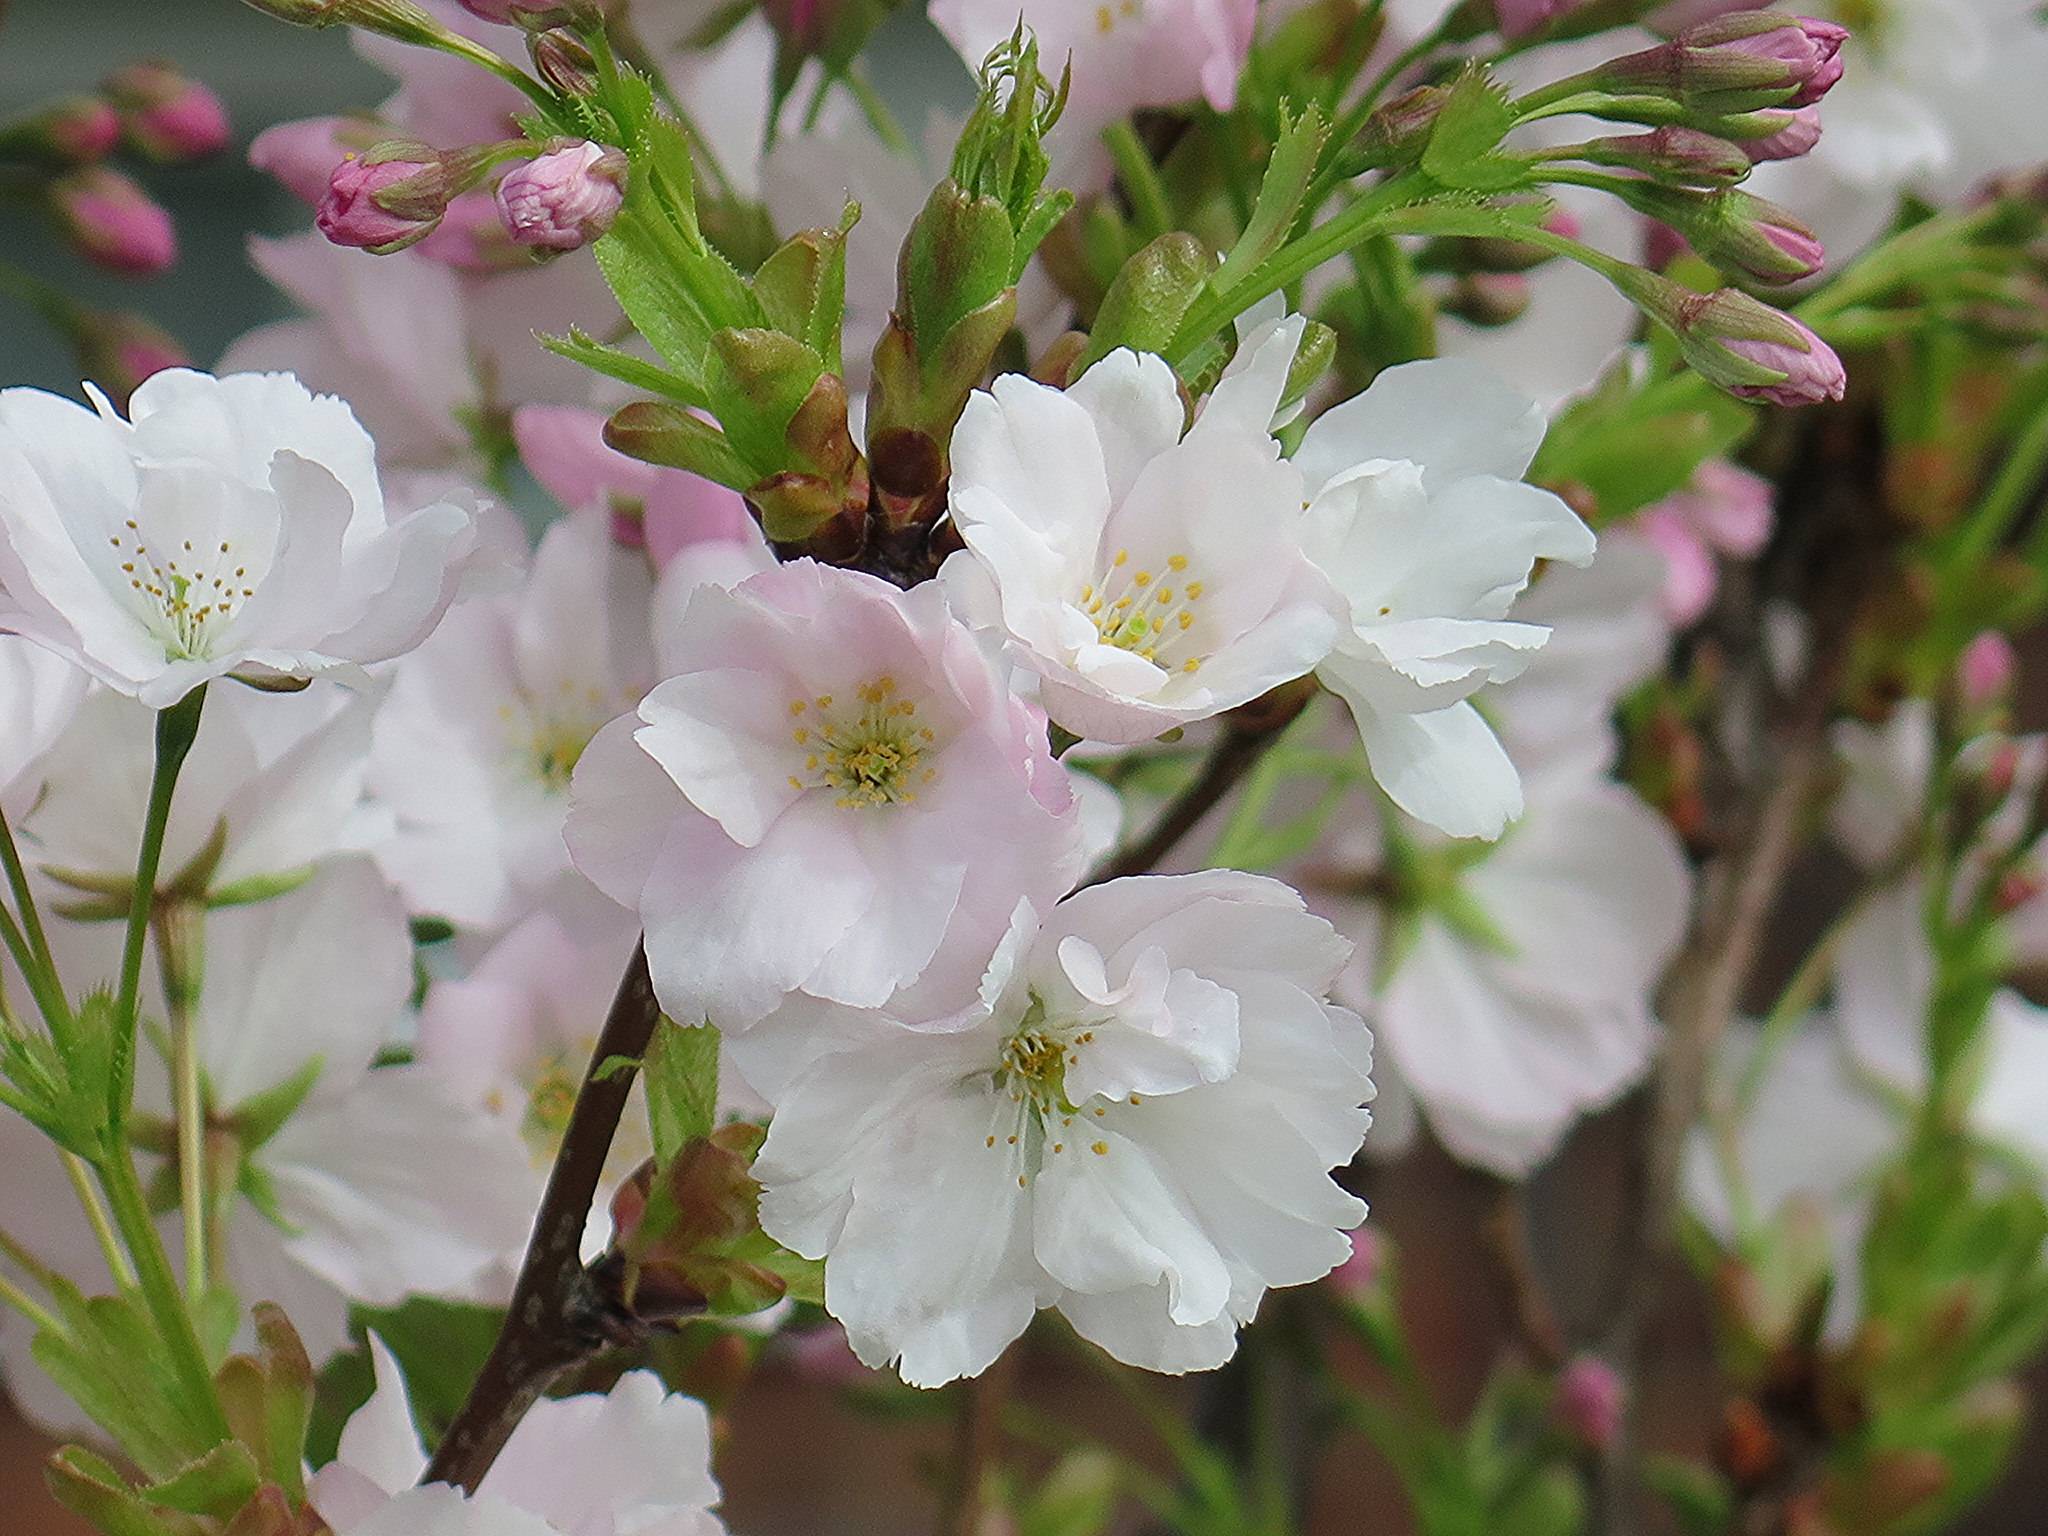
x: 119, y: 350
x: 168, y: 117
x: 2017, y: 888
x: 565, y: 198
x: 352, y: 213
x: 1673, y: 153
x: 1359, y: 1276
x: 1984, y: 672
x: 74, y: 131
x: 302, y: 155
x: 1735, y: 63
x: 526, y: 13
x: 1662, y: 245
x: 1812, y: 371
x: 113, y: 223
x: 1801, y: 131
x: 1743, y: 345
x: 1690, y: 578
x: 1588, y: 1401
x: 1809, y: 49
x: 1563, y: 222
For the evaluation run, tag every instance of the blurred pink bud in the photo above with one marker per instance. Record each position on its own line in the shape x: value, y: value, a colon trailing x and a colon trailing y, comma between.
x: 565, y: 198
x: 1488, y: 298
x: 1690, y: 578
x: 1732, y: 509
x: 822, y: 1356
x: 1563, y: 222
x: 1800, y: 133
x: 1588, y: 1401
x: 1662, y: 245
x: 113, y: 223
x: 1518, y: 19
x: 1812, y: 371
x: 514, y: 12
x: 120, y: 350
x: 472, y: 238
x: 74, y: 131
x: 1359, y: 1276
x: 2016, y: 889
x: 1985, y: 670
x: 351, y: 213
x: 302, y: 155
x: 169, y: 117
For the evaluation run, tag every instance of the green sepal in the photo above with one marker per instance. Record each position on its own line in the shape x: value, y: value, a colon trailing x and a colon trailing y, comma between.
x: 262, y: 1115
x: 216, y: 1484
x: 1474, y: 118
x: 1151, y: 295
x: 625, y: 367
x: 802, y: 286
x: 656, y: 432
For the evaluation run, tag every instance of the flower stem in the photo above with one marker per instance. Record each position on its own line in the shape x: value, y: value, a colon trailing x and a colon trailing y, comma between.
x: 547, y: 1327
x: 49, y: 994
x: 180, y: 930
x: 175, y: 729
x: 75, y: 1169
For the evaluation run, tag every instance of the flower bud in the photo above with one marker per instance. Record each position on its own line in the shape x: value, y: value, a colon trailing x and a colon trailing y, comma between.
x: 2016, y: 888
x: 1518, y: 19
x: 168, y: 117
x: 119, y: 350
x: 563, y: 60
x: 74, y: 131
x: 1396, y: 133
x: 1735, y: 63
x: 1488, y: 298
x: 1734, y: 229
x: 1984, y: 672
x: 302, y: 155
x: 382, y: 204
x: 113, y: 223
x: 565, y: 198
x: 1739, y: 343
x: 1677, y: 154
x: 1359, y: 1276
x: 1588, y: 1401
x: 535, y: 14
x: 1797, y: 132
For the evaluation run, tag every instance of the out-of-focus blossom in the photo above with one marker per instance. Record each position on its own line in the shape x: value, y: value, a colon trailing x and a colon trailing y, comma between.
x: 231, y: 525
x: 1149, y: 579
x: 39, y: 696
x: 1421, y: 521
x: 113, y: 223
x: 1985, y: 670
x: 1135, y: 1123
x: 1588, y: 1401
x: 1724, y: 510
x: 635, y: 1461
x: 565, y: 198
x: 835, y: 782
x: 485, y: 722
x: 73, y: 130
x: 272, y: 788
x: 166, y: 115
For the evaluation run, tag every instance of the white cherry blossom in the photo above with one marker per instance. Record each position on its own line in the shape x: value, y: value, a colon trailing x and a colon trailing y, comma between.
x: 836, y: 779
x: 1135, y: 1122
x: 232, y: 526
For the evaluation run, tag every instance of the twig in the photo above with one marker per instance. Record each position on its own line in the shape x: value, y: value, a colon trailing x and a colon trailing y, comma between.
x: 557, y: 1317
x: 977, y: 1445
x: 1535, y: 1320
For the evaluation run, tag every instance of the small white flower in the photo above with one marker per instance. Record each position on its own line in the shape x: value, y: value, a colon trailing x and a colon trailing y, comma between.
x: 1135, y: 1123
x: 235, y: 527
x: 1149, y: 579
x: 635, y: 1461
x: 1421, y: 521
x: 475, y: 744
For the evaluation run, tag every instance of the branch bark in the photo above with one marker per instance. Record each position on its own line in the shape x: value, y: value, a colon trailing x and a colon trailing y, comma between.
x: 558, y: 1317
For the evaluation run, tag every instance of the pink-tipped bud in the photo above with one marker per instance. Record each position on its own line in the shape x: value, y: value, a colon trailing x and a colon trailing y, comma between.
x: 1813, y: 372
x: 1734, y: 229
x: 1359, y: 1276
x: 565, y: 61
x: 2017, y: 888
x: 1589, y: 1401
x: 531, y: 13
x: 113, y: 223
x: 1985, y: 670
x: 1518, y: 19
x: 1673, y: 153
x: 74, y: 131
x: 1734, y: 63
x: 1563, y: 223
x: 168, y: 117
x: 565, y: 198
x: 1739, y: 343
x: 375, y: 204
x: 1809, y: 49
x: 119, y: 350
x: 1798, y: 133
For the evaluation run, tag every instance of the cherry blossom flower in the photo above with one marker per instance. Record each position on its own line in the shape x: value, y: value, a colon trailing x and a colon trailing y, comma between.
x: 635, y: 1461
x: 1150, y: 579
x: 834, y: 779
x: 272, y: 787
x: 475, y: 744
x: 1134, y: 1123
x: 1420, y: 519
x: 232, y: 526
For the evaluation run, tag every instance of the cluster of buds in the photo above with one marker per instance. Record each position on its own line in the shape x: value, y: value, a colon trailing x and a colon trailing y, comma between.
x: 103, y: 213
x: 557, y: 197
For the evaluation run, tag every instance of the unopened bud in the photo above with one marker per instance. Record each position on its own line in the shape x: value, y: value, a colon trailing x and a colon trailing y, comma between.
x: 113, y: 223
x: 1741, y: 344
x: 1396, y: 133
x: 1797, y: 132
x: 563, y: 60
x: 1488, y: 298
x: 1984, y: 672
x: 565, y: 198
x: 74, y: 131
x: 167, y: 116
x: 383, y: 201
x: 120, y: 350
x: 1734, y: 229
x: 534, y: 13
x: 1518, y: 19
x: 2017, y: 888
x: 1735, y: 63
x: 1588, y: 1401
x: 1677, y: 154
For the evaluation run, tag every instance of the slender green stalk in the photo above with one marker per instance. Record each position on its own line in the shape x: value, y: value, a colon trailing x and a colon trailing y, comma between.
x: 159, y: 1289
x: 17, y: 1253
x: 14, y: 1296
x: 179, y: 930
x: 175, y: 729
x: 75, y: 1169
x: 43, y: 981
x: 877, y: 112
x: 1139, y: 178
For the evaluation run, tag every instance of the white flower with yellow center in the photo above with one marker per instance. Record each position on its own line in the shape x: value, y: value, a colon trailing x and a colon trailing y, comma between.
x: 1135, y: 1122
x: 835, y: 780
x: 232, y: 527
x: 1150, y: 579
x: 475, y: 745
